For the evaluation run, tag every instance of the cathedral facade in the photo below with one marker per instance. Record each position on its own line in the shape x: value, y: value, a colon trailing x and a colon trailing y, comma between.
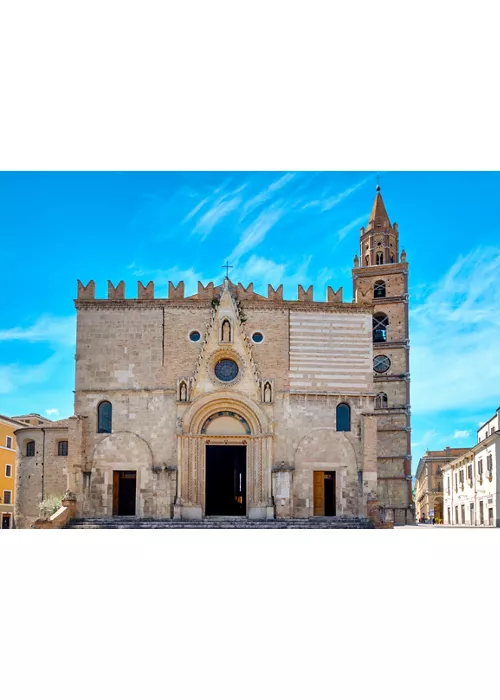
x: 231, y: 403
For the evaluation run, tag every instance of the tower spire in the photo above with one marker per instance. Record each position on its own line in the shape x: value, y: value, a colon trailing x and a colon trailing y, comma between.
x: 379, y: 219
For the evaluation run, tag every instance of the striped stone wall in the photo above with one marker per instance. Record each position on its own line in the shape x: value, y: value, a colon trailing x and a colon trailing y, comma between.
x: 331, y: 352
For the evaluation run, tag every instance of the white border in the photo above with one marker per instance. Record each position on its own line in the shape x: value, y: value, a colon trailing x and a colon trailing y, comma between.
x: 7, y: 476
x: 263, y: 337
x: 11, y: 497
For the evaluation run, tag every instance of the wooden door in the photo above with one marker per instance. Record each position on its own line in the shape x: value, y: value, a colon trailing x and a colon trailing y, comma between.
x: 116, y: 491
x: 319, y: 493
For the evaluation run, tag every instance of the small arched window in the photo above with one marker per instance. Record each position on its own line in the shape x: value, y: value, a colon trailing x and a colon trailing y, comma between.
x: 381, y: 401
x: 379, y: 259
x: 30, y: 448
x: 367, y: 261
x: 380, y: 323
x: 379, y: 289
x: 343, y: 418
x: 104, y: 417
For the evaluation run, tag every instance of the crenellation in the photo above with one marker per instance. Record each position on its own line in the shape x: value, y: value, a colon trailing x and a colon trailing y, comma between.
x: 176, y: 292
x: 86, y: 291
x: 117, y: 292
x: 145, y: 292
x: 305, y: 295
x: 332, y: 296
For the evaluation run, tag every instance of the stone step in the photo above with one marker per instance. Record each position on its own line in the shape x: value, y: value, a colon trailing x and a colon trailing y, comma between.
x: 129, y: 523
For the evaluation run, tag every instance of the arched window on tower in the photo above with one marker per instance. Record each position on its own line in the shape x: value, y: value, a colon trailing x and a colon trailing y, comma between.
x: 379, y: 289
x: 381, y: 401
x: 367, y: 261
x: 380, y: 323
x: 104, y: 417
x: 379, y: 259
x: 343, y: 418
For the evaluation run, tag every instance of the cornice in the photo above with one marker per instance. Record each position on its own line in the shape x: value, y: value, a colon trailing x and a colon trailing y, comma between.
x: 157, y: 304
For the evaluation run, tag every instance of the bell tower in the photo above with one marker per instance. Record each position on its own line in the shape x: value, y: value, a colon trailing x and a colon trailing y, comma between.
x: 380, y: 278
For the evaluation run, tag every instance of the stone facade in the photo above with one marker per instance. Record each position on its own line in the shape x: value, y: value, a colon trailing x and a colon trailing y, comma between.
x: 229, y: 367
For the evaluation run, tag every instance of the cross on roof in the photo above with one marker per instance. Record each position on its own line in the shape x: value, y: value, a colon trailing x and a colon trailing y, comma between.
x: 227, y: 266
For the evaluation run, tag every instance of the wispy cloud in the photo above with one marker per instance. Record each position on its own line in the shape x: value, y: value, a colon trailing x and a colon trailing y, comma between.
x: 455, y: 336
x: 52, y: 412
x: 342, y: 233
x: 461, y: 434
x: 50, y: 329
x: 219, y: 209
x: 266, y: 194
x: 328, y: 201
x: 255, y: 233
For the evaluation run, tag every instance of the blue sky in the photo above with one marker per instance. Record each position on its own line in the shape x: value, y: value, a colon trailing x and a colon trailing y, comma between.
x: 276, y: 227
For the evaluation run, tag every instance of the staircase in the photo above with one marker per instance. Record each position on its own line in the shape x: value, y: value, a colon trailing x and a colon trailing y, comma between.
x: 345, y: 522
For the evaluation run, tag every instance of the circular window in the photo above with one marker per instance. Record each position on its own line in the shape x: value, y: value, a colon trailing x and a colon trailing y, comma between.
x: 194, y: 336
x: 226, y: 370
x: 257, y: 337
x: 381, y: 363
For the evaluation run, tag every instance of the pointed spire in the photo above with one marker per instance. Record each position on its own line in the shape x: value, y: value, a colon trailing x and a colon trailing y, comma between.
x: 379, y: 218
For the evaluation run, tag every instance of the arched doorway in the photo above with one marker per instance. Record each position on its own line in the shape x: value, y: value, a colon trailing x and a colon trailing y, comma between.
x: 438, y: 510
x: 225, y: 465
x: 225, y: 454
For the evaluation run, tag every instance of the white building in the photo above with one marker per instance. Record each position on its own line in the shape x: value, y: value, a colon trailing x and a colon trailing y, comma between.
x: 470, y: 482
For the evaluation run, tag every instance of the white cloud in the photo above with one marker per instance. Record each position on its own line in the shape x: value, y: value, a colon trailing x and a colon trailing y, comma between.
x: 455, y: 336
x: 461, y: 434
x: 51, y: 329
x: 52, y: 412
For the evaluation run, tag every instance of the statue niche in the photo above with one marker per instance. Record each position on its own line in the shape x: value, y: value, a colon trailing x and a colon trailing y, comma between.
x: 226, y: 331
x: 267, y: 392
x: 183, y: 394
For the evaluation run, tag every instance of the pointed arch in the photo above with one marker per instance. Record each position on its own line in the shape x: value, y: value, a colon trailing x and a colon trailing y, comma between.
x: 379, y: 259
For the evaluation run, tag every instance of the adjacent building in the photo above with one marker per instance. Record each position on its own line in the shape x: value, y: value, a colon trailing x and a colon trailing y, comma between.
x: 7, y: 470
x: 429, y: 482
x: 471, y: 491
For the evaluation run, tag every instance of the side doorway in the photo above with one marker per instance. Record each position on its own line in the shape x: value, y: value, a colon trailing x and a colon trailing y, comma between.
x: 124, y: 492
x: 325, y: 497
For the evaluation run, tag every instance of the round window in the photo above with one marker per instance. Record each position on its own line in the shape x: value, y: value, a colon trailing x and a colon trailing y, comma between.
x: 381, y: 363
x: 194, y: 336
x: 257, y: 337
x: 226, y: 370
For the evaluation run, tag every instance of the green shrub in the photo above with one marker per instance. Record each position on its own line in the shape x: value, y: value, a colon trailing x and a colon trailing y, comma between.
x: 51, y: 504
